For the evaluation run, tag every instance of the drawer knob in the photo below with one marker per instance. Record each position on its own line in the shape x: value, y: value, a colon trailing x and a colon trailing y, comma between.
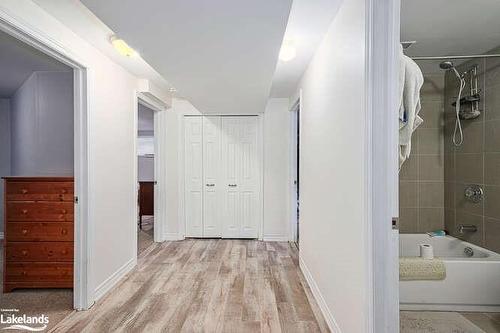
x: 64, y: 211
x: 63, y: 252
x: 63, y: 190
x: 24, y: 273
x: 25, y: 211
x: 24, y: 191
x: 24, y: 252
x: 25, y: 231
x: 64, y: 232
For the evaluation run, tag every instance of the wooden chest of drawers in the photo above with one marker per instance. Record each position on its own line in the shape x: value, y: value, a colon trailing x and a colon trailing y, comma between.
x: 38, y: 246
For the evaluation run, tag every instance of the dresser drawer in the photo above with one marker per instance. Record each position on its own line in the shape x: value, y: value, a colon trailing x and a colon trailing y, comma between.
x: 48, y: 191
x: 39, y: 251
x: 38, y: 272
x: 39, y: 211
x: 40, y: 231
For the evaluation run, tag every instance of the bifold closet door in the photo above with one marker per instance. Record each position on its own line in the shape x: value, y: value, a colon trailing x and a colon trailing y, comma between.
x: 193, y: 176
x: 222, y: 176
x: 211, y: 176
x: 241, y: 177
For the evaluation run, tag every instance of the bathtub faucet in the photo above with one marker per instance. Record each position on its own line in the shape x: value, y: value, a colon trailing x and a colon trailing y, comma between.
x: 463, y: 228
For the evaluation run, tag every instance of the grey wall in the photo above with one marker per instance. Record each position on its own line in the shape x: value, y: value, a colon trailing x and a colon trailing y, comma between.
x: 477, y: 161
x: 4, y: 150
x: 421, y: 179
x: 42, y: 125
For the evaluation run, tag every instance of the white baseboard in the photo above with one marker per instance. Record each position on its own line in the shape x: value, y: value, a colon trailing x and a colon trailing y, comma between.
x: 275, y: 238
x: 113, y: 280
x: 448, y: 307
x: 173, y: 237
x: 1, y: 235
x: 327, y: 314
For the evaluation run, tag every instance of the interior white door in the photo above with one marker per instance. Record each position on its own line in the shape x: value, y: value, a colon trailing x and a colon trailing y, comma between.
x: 248, y: 186
x: 241, y: 174
x: 211, y: 176
x: 193, y: 165
x: 231, y: 164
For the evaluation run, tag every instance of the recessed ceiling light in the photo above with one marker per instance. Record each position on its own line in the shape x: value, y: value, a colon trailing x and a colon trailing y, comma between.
x: 122, y: 47
x: 288, y: 50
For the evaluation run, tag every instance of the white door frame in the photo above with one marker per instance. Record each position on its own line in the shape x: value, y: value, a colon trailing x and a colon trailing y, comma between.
x: 83, y: 294
x: 160, y: 187
x: 181, y: 189
x: 294, y: 160
x: 383, y: 33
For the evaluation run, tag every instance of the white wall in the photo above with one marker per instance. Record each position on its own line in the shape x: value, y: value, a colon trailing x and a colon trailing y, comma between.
x: 111, y: 146
x: 332, y: 175
x: 42, y: 126
x: 4, y: 151
x: 277, y: 170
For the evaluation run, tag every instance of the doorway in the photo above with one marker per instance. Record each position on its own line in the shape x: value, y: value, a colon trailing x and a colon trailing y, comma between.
x: 82, y: 295
x: 145, y: 176
x: 295, y: 173
x: 38, y: 164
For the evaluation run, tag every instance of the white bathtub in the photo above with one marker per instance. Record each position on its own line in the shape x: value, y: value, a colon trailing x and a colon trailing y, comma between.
x: 471, y: 284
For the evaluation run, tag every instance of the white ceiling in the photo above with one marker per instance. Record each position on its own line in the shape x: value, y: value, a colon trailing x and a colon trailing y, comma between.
x: 450, y: 27
x: 220, y: 54
x: 309, y: 21
x: 85, y: 24
x: 18, y: 61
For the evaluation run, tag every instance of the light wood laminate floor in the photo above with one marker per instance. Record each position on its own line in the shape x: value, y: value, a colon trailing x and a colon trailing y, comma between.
x: 207, y: 286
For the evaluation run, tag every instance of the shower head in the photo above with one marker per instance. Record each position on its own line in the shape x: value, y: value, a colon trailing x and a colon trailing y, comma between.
x: 446, y: 65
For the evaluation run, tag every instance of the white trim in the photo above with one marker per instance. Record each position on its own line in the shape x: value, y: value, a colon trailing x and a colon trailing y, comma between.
x: 160, y: 174
x: 181, y: 224
x: 325, y: 310
x: 381, y: 132
x: 170, y: 236
x: 449, y: 307
x: 2, y: 235
x: 111, y: 281
x: 276, y: 238
x: 23, y: 31
x: 135, y: 167
x: 260, y: 153
x: 292, y: 173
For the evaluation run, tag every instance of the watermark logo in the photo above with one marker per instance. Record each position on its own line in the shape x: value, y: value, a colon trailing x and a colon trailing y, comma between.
x: 10, y: 319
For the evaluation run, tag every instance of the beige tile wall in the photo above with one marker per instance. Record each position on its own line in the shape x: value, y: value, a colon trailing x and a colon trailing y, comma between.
x: 421, y: 179
x: 477, y: 161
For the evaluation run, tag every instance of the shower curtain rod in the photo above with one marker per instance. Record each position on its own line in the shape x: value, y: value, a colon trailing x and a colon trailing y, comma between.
x: 458, y: 57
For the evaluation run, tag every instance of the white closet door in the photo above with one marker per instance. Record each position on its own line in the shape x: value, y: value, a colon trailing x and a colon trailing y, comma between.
x: 231, y: 165
x: 241, y: 177
x: 193, y: 157
x: 248, y: 186
x: 211, y: 176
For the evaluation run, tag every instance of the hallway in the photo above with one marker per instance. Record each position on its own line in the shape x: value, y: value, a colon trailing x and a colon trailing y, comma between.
x: 207, y: 285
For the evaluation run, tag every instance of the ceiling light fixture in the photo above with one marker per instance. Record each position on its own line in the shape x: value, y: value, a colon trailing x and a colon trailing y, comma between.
x: 288, y: 50
x: 122, y: 47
